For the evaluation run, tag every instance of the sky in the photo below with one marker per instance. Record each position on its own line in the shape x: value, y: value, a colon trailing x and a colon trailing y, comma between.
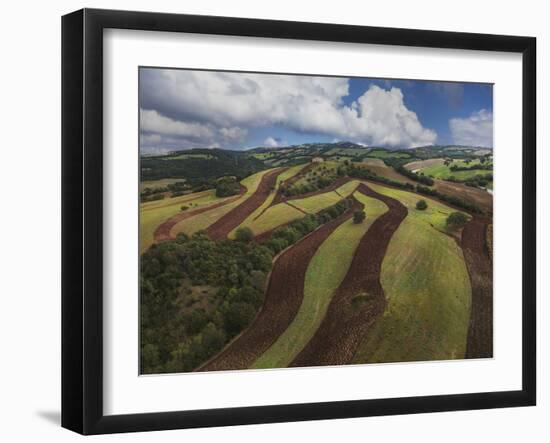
x: 184, y: 109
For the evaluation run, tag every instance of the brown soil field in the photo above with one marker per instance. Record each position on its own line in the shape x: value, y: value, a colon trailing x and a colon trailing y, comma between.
x: 163, y: 231
x: 349, y: 318
x: 283, y: 298
x: 220, y: 229
x: 480, y: 269
x: 477, y: 196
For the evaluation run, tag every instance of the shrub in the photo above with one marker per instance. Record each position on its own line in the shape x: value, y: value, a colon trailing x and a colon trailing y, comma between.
x: 456, y: 220
x: 184, y: 208
x: 359, y: 216
x: 421, y: 205
x: 244, y: 234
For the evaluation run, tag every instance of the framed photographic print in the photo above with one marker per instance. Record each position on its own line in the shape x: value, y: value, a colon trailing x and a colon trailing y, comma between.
x: 270, y: 221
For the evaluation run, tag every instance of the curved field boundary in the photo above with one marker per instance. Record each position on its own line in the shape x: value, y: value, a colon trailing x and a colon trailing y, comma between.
x: 279, y: 197
x: 325, y: 272
x: 220, y: 229
x: 283, y: 299
x: 163, y: 231
x: 347, y: 321
x: 480, y: 269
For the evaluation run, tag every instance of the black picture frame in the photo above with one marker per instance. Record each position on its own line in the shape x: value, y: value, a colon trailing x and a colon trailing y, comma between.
x: 82, y: 218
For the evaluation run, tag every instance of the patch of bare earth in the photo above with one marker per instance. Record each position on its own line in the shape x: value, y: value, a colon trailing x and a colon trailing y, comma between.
x: 360, y: 299
x: 480, y: 269
x: 284, y: 295
x: 163, y: 231
x: 476, y: 196
x: 221, y: 228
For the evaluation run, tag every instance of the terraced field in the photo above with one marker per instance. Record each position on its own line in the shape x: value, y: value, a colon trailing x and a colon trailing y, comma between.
x: 427, y: 287
x: 437, y: 169
x: 324, y: 274
x: 400, y: 285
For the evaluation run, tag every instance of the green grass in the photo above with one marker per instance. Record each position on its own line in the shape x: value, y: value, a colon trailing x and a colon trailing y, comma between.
x: 275, y: 216
x: 162, y: 183
x: 202, y: 221
x: 346, y: 152
x: 152, y: 214
x: 347, y: 188
x: 315, y: 203
x: 324, y: 169
x: 427, y: 287
x: 325, y: 272
x: 187, y: 156
x: 443, y: 172
x: 283, y: 213
x: 387, y: 154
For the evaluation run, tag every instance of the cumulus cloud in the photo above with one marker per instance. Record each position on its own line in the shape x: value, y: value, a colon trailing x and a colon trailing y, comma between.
x: 221, y: 107
x: 475, y: 130
x: 272, y: 142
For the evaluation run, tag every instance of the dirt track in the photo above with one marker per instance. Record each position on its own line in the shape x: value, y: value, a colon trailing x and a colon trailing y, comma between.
x: 163, y: 231
x: 283, y: 298
x: 480, y: 269
x: 221, y: 228
x: 345, y: 325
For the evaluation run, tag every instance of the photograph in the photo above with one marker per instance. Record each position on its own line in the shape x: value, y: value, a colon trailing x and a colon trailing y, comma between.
x: 296, y: 220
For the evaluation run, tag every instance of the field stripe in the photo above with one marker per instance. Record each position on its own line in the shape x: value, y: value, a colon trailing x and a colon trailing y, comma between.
x: 221, y: 228
x: 480, y: 269
x: 346, y: 321
x: 325, y: 272
x: 282, y: 301
x: 163, y: 231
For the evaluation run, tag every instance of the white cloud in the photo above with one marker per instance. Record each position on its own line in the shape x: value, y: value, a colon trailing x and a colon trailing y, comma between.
x: 152, y: 121
x: 475, y: 130
x: 270, y: 142
x: 217, y: 100
x: 233, y: 134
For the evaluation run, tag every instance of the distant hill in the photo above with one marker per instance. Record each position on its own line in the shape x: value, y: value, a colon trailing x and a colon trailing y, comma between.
x: 200, y: 167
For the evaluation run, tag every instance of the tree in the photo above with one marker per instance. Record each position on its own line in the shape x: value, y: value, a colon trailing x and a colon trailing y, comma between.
x: 244, y: 234
x: 456, y: 220
x: 359, y: 216
x: 421, y: 205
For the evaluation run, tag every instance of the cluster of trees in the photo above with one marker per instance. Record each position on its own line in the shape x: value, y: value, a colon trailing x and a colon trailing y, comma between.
x: 227, y: 186
x: 483, y: 166
x: 479, y: 181
x: 201, y: 172
x: 449, y: 199
x: 314, y: 183
x: 151, y: 197
x: 284, y: 237
x: 456, y: 220
x: 420, y: 178
x: 355, y: 171
x: 197, y: 294
x: 159, y: 192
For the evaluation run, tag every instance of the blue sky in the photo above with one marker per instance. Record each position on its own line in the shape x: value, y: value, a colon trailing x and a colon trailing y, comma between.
x: 182, y: 109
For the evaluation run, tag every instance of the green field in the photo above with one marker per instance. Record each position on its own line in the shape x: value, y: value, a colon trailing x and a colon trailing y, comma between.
x: 427, y: 287
x: 152, y: 214
x: 346, y: 151
x: 387, y: 154
x: 162, y: 183
x: 444, y: 172
x: 323, y: 169
x: 325, y: 272
x: 204, y: 220
x: 281, y: 213
x: 187, y: 156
